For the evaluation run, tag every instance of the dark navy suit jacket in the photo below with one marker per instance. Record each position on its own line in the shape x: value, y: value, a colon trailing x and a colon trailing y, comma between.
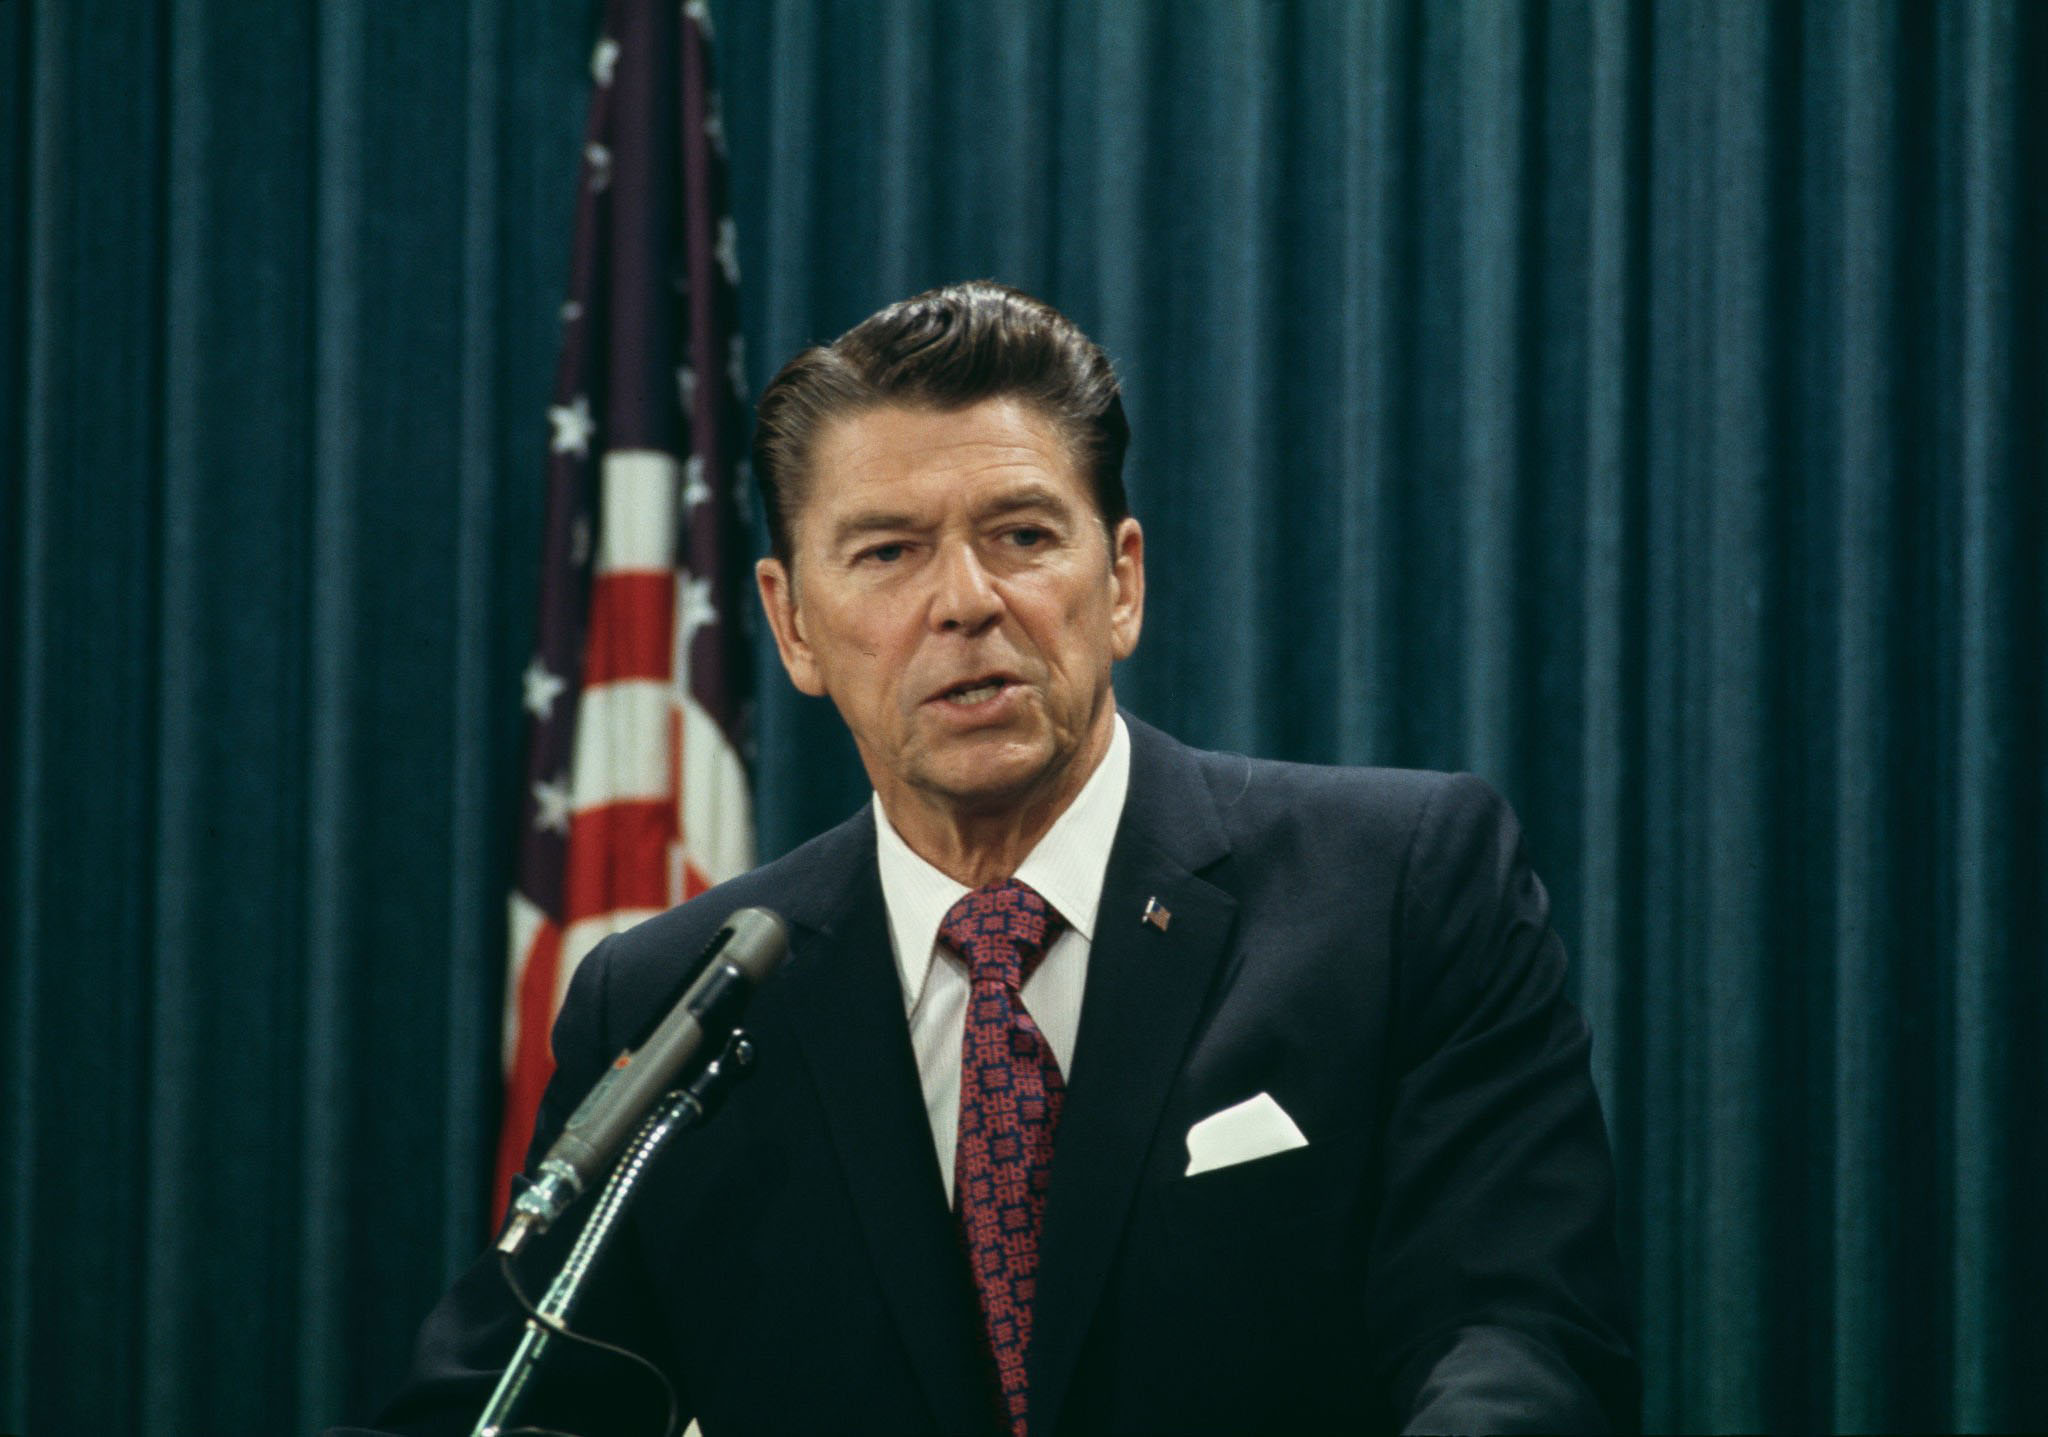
x: 1367, y: 946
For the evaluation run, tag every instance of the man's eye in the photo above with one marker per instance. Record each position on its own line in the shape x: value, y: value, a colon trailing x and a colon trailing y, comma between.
x: 884, y: 553
x: 1028, y: 536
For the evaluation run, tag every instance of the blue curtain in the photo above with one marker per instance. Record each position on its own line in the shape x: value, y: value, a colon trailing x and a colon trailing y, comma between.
x: 1640, y: 405
x: 279, y: 288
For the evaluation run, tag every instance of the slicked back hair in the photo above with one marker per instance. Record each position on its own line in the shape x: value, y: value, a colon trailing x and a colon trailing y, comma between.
x: 946, y: 349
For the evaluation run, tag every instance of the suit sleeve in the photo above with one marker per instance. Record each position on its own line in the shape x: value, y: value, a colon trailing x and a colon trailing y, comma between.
x: 469, y: 1337
x: 1495, y: 1291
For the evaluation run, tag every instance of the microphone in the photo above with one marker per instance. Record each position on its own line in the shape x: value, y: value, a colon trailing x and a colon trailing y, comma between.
x: 746, y: 949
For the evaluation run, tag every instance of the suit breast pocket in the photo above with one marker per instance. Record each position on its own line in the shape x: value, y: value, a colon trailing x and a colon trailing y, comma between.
x: 1275, y: 1216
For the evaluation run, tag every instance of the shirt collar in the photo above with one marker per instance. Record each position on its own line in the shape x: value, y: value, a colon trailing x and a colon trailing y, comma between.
x: 1066, y: 867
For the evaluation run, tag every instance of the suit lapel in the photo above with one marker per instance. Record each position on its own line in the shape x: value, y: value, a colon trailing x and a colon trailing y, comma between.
x: 1145, y: 990
x: 848, y: 1009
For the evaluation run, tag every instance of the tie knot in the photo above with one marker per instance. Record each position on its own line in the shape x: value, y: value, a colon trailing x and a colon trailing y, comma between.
x: 1002, y: 931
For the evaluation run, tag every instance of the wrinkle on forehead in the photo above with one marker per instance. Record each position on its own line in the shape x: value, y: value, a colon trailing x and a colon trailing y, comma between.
x: 961, y: 462
x: 936, y: 439
x: 880, y: 448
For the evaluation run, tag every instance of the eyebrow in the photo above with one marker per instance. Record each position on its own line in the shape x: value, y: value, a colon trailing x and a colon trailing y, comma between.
x: 1032, y: 497
x: 859, y: 525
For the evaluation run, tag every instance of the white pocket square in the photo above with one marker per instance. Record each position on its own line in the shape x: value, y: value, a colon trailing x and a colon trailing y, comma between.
x: 1255, y: 1128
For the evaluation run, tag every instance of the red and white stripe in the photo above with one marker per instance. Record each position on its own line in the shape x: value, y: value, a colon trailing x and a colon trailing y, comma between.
x: 659, y: 808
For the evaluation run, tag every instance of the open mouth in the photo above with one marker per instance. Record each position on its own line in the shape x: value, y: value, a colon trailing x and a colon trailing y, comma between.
x: 974, y: 691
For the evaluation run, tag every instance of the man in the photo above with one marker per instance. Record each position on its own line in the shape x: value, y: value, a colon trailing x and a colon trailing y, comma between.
x: 1110, y: 1085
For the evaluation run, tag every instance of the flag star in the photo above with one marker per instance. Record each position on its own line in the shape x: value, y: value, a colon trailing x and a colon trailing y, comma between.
x: 736, y: 364
x: 573, y: 427
x: 686, y: 386
x: 695, y: 490
x: 599, y: 159
x: 714, y: 120
x: 572, y: 310
x: 551, y: 800
x: 694, y: 610
x: 604, y: 59
x: 542, y: 689
x: 729, y: 249
x: 700, y: 11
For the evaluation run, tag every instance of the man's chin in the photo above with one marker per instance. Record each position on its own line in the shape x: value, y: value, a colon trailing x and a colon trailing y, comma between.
x: 996, y: 779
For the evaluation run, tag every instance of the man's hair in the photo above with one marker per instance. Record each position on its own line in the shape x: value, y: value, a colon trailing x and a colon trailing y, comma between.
x: 946, y: 349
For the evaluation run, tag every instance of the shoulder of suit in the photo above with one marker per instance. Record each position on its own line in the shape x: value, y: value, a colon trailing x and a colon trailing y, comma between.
x: 686, y: 928
x: 1255, y: 795
x: 1239, y: 781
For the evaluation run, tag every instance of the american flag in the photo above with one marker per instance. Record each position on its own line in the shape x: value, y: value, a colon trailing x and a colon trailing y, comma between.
x: 637, y: 697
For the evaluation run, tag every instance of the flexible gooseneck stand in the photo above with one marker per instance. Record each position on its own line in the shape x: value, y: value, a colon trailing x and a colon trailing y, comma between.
x: 679, y: 1111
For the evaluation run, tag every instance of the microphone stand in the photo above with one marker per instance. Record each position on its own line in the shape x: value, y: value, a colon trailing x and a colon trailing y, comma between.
x: 685, y: 1108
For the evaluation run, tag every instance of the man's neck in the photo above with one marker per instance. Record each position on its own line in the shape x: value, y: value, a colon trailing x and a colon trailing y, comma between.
x: 979, y: 847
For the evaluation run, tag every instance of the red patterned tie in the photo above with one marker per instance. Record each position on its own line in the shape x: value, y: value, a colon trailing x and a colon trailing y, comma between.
x: 1010, y: 1096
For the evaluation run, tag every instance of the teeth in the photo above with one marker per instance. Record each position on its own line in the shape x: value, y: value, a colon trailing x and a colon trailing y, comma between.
x: 978, y: 694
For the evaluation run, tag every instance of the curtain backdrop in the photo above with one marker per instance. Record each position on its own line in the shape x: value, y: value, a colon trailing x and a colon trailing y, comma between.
x: 1639, y: 405
x: 280, y: 285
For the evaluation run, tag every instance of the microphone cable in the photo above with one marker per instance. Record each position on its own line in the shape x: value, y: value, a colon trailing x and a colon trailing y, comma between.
x: 560, y: 1329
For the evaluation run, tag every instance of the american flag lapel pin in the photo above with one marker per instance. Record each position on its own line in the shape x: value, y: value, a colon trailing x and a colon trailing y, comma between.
x: 1156, y: 914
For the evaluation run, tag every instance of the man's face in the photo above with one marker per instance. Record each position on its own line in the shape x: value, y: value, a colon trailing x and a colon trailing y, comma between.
x: 952, y: 590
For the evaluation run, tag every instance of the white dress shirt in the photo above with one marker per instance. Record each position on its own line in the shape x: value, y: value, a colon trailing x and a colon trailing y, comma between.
x: 1066, y: 868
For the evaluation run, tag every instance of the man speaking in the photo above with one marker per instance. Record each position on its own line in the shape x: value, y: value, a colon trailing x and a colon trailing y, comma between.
x: 1111, y: 1085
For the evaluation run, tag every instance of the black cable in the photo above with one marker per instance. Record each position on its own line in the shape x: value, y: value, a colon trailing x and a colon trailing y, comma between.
x: 556, y: 1327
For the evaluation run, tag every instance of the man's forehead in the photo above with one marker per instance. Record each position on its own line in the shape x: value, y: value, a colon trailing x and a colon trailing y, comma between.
x: 896, y: 437
x: 999, y: 452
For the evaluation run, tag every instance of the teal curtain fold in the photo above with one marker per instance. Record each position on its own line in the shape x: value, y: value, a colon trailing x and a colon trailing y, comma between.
x: 280, y: 286
x: 1641, y: 405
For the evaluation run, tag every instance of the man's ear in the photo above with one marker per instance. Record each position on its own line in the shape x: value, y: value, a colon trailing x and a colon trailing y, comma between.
x: 1127, y: 591
x: 778, y: 598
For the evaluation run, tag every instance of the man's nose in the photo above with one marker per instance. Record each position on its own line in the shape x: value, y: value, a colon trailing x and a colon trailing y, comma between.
x: 966, y: 601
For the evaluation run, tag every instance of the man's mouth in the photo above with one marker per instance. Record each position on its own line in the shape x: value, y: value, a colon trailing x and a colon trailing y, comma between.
x: 974, y: 691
